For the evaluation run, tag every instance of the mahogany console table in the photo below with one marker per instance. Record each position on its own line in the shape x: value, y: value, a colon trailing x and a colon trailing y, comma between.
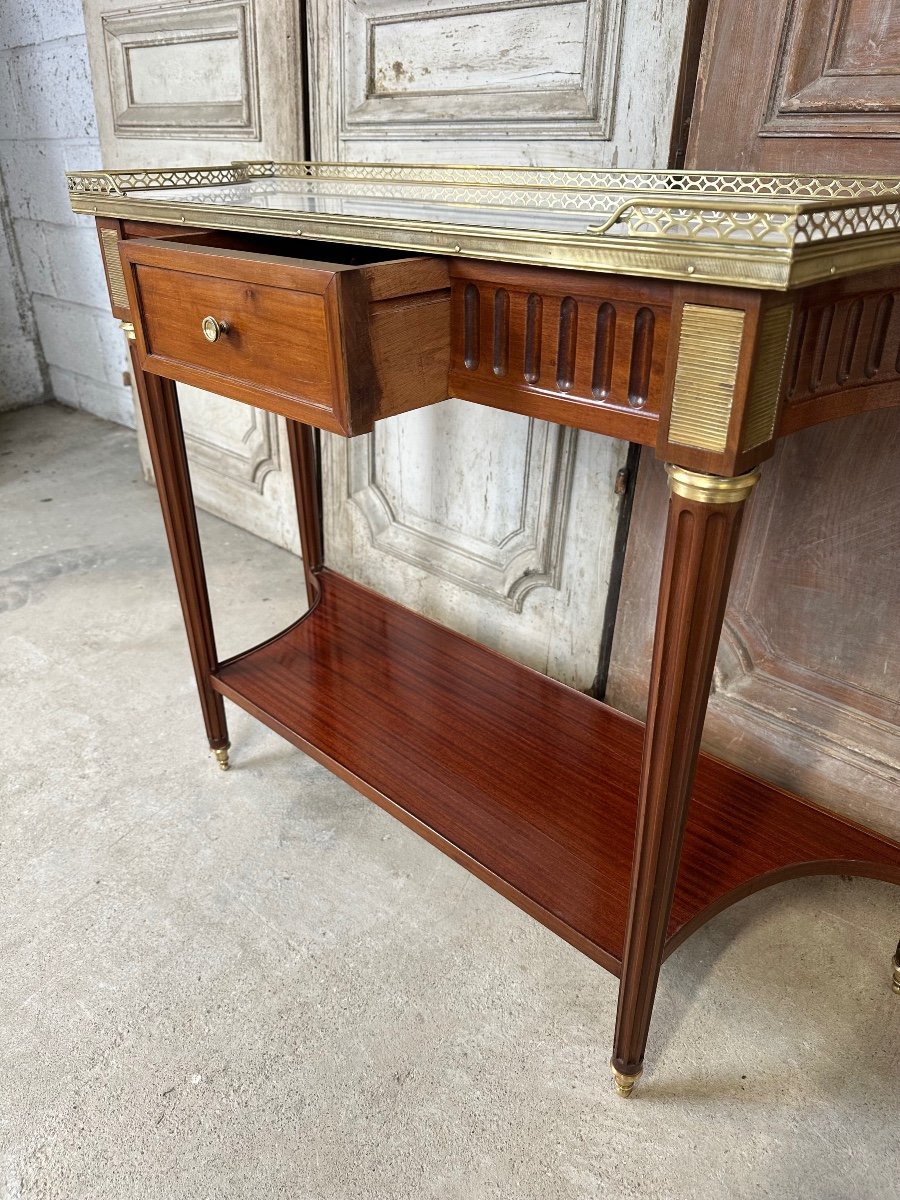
x: 704, y: 315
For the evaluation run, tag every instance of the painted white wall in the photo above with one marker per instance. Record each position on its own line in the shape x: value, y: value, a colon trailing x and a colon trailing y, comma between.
x: 67, y: 344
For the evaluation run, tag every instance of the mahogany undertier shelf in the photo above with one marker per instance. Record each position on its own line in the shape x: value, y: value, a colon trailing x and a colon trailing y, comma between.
x: 528, y: 783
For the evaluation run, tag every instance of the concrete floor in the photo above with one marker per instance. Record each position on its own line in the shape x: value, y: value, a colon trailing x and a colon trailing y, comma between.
x: 257, y: 984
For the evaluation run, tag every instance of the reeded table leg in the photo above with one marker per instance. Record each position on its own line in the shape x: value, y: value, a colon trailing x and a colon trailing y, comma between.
x: 701, y: 538
x: 165, y: 437
x: 301, y: 444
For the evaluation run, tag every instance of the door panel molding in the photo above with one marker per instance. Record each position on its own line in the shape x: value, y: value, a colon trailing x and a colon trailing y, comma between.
x: 837, y: 70
x: 815, y: 706
x: 551, y: 623
x: 798, y: 86
x: 807, y: 685
x: 506, y: 567
x: 411, y: 70
x: 184, y: 71
x: 247, y: 460
x: 556, y: 82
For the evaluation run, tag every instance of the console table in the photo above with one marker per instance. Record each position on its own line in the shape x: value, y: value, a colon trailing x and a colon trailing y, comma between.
x: 704, y: 315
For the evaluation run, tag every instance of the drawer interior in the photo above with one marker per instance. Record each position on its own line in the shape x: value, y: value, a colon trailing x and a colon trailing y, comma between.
x: 299, y: 250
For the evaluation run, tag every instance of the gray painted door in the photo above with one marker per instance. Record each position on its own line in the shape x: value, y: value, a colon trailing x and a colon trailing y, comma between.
x: 207, y: 81
x: 498, y: 525
x: 495, y: 524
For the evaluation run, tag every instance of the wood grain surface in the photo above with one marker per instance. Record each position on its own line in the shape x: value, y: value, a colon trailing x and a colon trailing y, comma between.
x: 805, y: 86
x: 165, y: 439
x: 335, y: 345
x: 572, y: 347
x: 529, y: 784
x: 701, y: 541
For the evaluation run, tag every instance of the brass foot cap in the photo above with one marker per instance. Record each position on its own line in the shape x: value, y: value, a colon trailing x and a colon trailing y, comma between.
x: 222, y: 757
x: 895, y: 982
x: 624, y: 1083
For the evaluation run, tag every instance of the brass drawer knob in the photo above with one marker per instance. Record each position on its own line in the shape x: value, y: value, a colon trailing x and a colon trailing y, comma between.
x: 213, y: 328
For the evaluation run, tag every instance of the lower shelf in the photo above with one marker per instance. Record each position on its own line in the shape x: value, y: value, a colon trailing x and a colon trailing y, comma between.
x: 529, y: 784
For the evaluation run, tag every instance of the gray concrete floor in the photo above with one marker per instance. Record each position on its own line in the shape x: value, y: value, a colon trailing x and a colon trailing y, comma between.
x: 257, y: 984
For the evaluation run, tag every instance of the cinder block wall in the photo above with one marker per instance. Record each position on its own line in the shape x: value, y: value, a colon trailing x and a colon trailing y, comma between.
x: 23, y: 372
x: 67, y: 345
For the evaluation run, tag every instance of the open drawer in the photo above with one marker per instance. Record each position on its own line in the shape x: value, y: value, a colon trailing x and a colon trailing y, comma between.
x: 333, y: 336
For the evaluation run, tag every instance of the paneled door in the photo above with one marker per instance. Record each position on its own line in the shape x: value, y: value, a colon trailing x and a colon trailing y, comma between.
x: 800, y: 85
x: 497, y: 525
x: 808, y: 680
x: 207, y: 81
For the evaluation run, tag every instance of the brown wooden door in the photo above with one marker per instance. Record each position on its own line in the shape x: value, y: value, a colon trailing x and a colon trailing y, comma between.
x: 808, y: 679
x: 799, y: 86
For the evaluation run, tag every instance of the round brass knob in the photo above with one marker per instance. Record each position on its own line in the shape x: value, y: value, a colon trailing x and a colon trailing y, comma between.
x: 212, y: 328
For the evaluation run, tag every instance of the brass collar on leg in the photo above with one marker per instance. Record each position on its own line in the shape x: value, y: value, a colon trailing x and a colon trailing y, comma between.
x: 711, y: 489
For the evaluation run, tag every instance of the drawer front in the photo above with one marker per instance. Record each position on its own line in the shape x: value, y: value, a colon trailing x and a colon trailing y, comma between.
x: 276, y: 339
x: 336, y: 344
x: 263, y: 331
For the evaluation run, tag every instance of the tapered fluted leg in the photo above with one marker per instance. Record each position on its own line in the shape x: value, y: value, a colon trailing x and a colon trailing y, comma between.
x: 165, y: 438
x: 301, y: 443
x: 701, y: 538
